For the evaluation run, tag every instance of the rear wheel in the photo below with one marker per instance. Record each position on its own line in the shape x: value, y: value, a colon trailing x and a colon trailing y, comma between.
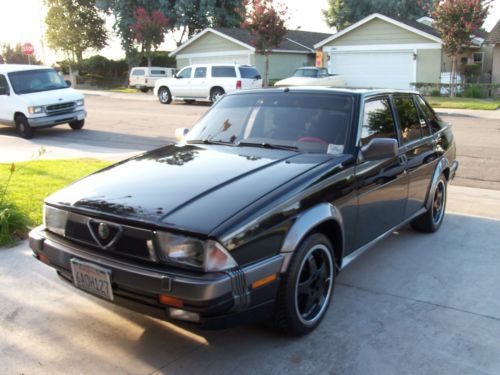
x: 77, y: 125
x: 431, y: 220
x: 23, y: 127
x: 306, y: 289
x: 164, y: 95
x: 216, y: 94
x: 144, y: 89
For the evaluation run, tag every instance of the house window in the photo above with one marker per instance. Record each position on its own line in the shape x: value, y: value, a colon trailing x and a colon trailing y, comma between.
x: 477, y: 58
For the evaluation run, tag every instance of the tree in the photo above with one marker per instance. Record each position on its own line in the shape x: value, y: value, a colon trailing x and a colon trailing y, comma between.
x: 149, y: 30
x: 74, y: 26
x: 456, y: 21
x: 267, y: 26
x: 342, y: 13
x: 9, y: 55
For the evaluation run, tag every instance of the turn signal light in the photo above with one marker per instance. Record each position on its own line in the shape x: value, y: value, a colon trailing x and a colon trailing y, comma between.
x: 264, y: 281
x: 43, y: 258
x: 170, y: 301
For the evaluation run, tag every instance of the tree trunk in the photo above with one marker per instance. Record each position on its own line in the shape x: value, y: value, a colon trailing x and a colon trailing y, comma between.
x: 453, y: 78
x: 266, y: 70
x: 149, y: 60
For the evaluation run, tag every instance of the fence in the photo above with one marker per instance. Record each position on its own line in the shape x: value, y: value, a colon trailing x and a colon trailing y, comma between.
x: 471, y: 90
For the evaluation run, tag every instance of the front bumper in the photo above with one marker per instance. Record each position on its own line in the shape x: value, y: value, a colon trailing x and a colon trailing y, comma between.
x: 46, y: 121
x: 219, y: 299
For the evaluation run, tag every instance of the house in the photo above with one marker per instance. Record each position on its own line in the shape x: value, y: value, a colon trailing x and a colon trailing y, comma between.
x: 380, y: 51
x: 494, y: 40
x: 235, y: 45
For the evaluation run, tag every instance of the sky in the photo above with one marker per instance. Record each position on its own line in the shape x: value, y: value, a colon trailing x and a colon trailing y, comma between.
x: 22, y: 21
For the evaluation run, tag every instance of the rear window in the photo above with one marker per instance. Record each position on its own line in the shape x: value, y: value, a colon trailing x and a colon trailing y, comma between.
x: 158, y: 72
x: 429, y: 115
x: 138, y: 72
x: 249, y: 72
x: 223, y: 71
x: 408, y: 119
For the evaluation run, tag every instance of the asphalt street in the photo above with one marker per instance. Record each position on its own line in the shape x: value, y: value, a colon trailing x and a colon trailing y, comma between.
x: 413, y: 304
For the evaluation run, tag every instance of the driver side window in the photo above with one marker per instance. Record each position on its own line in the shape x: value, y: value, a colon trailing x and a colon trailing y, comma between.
x: 185, y: 73
x: 4, y: 86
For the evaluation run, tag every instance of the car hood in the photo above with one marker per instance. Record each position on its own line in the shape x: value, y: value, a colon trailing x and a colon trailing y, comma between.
x: 51, y: 97
x: 192, y: 187
x: 295, y: 81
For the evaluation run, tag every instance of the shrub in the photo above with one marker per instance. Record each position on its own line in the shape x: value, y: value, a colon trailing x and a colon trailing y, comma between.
x: 474, y: 91
x: 435, y: 92
x: 13, y: 224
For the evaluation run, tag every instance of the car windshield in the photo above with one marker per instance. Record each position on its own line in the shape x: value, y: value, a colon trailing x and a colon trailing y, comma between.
x: 307, y: 122
x: 306, y: 73
x: 29, y: 81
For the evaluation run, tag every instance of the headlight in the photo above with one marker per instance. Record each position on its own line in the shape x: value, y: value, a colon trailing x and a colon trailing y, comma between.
x: 55, y: 220
x: 80, y: 103
x: 209, y: 256
x: 35, y: 110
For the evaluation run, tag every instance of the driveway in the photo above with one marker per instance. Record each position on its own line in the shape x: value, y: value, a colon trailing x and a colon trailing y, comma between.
x: 414, y: 304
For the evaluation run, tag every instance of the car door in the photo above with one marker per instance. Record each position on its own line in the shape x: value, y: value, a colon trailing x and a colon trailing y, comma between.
x: 199, y: 82
x: 182, y: 84
x: 419, y: 148
x: 382, y: 184
x: 4, y: 99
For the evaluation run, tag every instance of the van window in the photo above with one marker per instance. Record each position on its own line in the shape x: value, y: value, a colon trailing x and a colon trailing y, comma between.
x: 249, y: 72
x: 408, y: 119
x: 223, y: 71
x: 200, y: 72
x: 158, y: 72
x: 377, y: 121
x: 138, y: 72
x: 4, y: 87
x: 36, y: 80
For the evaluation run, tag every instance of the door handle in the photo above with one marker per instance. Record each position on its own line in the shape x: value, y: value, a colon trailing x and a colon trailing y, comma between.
x: 402, y: 159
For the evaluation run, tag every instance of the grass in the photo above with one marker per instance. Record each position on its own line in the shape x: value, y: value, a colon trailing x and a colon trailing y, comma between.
x: 463, y: 103
x: 33, y: 181
x: 125, y: 90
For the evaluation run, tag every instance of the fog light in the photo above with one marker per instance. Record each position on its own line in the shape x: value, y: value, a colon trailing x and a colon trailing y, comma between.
x: 184, y: 315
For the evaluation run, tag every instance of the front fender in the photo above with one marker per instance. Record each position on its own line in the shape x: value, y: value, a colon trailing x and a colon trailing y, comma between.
x: 305, y: 222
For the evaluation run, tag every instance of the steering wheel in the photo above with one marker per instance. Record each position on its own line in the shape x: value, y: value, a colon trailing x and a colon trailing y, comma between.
x: 311, y: 139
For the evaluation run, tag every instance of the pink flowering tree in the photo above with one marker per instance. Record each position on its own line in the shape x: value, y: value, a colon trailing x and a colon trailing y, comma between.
x: 267, y: 26
x: 456, y: 20
x: 149, y: 31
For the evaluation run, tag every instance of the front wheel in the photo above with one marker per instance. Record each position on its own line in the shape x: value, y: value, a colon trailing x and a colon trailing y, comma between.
x: 77, y: 125
x: 216, y: 94
x: 306, y: 289
x: 164, y: 95
x: 23, y: 127
x: 431, y: 220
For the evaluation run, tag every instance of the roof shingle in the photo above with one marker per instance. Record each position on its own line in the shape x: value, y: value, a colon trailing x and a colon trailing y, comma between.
x: 494, y: 36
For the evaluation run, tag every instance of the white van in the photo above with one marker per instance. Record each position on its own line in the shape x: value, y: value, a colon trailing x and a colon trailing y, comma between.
x: 144, y: 78
x: 34, y: 96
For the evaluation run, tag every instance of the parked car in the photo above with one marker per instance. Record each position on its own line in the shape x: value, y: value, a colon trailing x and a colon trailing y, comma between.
x: 144, y: 78
x: 312, y: 76
x: 33, y: 96
x: 252, y: 214
x: 207, y: 82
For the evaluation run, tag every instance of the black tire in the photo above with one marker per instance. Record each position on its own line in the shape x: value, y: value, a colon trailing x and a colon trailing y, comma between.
x: 144, y: 89
x: 431, y: 220
x: 77, y: 125
x: 306, y: 289
x: 164, y: 95
x: 215, y: 94
x: 23, y: 127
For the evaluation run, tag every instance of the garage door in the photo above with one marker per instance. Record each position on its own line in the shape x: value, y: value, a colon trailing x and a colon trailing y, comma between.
x: 232, y: 59
x: 374, y: 69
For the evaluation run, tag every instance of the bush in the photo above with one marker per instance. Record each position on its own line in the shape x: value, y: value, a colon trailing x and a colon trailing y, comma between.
x: 13, y: 224
x: 474, y: 91
x: 435, y: 92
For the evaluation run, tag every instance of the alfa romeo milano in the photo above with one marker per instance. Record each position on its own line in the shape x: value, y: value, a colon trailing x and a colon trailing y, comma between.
x: 254, y: 212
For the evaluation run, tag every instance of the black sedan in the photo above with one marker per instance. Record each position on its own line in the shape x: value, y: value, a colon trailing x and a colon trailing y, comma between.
x: 252, y: 214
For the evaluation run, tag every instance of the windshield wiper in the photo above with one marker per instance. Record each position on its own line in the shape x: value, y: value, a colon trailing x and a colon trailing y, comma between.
x: 267, y: 145
x: 209, y: 142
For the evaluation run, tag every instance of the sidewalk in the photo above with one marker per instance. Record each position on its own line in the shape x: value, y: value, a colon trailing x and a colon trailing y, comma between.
x: 120, y: 95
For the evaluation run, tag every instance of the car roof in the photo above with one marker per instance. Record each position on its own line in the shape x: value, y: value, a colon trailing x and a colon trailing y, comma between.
x: 8, y: 68
x: 325, y: 89
x: 151, y: 67
x: 221, y: 64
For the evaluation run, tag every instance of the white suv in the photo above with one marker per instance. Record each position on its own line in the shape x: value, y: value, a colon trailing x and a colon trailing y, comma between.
x: 207, y: 82
x: 33, y: 96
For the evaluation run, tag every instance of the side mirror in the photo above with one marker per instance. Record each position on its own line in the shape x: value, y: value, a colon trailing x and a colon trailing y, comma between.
x: 380, y: 148
x: 180, y: 133
x: 68, y: 82
x: 258, y: 77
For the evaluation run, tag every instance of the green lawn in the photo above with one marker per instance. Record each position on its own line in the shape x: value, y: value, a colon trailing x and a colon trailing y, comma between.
x: 463, y: 103
x: 125, y: 90
x: 33, y: 181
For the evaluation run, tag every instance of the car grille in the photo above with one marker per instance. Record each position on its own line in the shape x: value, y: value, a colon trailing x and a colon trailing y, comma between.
x: 56, y: 109
x: 130, y: 241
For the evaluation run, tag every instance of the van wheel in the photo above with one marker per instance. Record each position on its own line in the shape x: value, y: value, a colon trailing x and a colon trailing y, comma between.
x: 164, y: 95
x: 23, y: 127
x: 77, y: 125
x: 307, y: 288
x: 216, y: 94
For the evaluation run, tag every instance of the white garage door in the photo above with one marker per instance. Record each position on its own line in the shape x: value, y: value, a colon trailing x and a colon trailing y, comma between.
x: 374, y: 69
x: 231, y: 59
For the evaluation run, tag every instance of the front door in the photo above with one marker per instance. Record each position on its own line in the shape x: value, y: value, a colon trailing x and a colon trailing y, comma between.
x: 382, y: 184
x: 4, y: 100
x: 182, y: 84
x: 199, y: 86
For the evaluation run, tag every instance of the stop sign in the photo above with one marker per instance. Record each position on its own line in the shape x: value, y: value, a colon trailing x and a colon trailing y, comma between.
x: 27, y: 49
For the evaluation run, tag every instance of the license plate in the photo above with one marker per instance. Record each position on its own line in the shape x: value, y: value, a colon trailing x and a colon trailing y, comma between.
x: 92, y: 278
